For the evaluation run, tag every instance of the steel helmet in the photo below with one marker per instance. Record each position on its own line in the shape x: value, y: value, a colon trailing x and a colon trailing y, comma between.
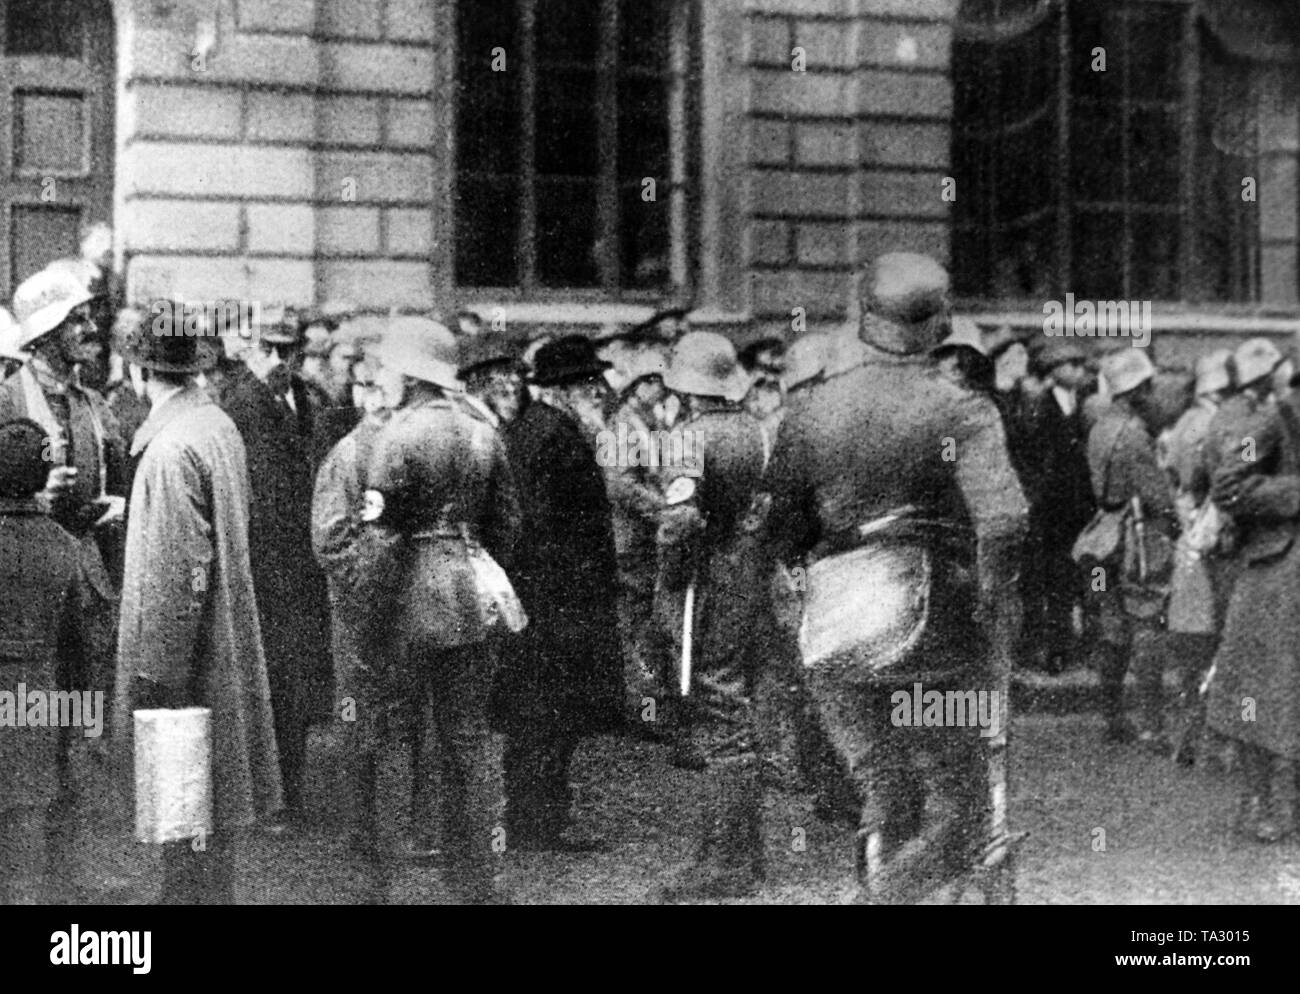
x: 704, y: 363
x: 43, y: 301
x: 1212, y: 372
x: 903, y: 291
x: 1255, y: 359
x: 806, y: 359
x: 419, y: 348
x: 1125, y: 370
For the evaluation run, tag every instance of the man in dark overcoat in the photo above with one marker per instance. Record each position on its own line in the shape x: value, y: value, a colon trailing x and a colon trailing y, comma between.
x: 1058, y: 466
x: 565, y: 680
x: 274, y: 412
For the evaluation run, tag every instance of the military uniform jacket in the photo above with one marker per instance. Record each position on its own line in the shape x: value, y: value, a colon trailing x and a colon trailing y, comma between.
x: 894, y: 434
x: 56, y: 623
x: 725, y: 557
x: 1122, y: 460
x: 448, y: 469
x: 633, y: 485
x: 89, y: 422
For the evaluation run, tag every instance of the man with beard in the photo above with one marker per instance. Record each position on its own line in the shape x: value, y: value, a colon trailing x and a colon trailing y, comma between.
x: 440, y: 484
x: 566, y: 680
x: 87, y: 485
x: 892, y: 491
x: 274, y: 412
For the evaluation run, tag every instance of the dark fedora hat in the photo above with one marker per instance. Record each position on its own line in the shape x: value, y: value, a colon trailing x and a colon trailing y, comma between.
x: 141, y: 345
x: 567, y: 360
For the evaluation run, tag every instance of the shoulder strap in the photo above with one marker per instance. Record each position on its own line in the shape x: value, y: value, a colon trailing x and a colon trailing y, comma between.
x: 1110, y: 459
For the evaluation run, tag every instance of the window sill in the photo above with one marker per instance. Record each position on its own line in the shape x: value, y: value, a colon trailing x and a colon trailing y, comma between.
x: 594, y: 314
x: 1229, y: 319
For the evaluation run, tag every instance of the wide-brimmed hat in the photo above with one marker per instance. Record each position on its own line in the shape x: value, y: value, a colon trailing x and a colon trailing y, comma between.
x: 806, y: 359
x: 23, y: 468
x: 705, y: 364
x: 1125, y: 370
x: 419, y: 348
x: 482, y: 351
x: 571, y: 359
x: 43, y: 301
x: 1254, y: 360
x: 1212, y: 372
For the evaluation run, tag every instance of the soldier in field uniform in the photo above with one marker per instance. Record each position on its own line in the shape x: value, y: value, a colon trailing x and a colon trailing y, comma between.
x: 1122, y: 459
x: 710, y: 540
x: 891, y: 485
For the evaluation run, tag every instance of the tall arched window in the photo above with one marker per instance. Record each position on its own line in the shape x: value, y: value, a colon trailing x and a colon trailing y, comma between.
x: 56, y: 129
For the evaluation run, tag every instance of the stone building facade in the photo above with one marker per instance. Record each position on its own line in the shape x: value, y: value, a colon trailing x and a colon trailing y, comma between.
x: 581, y: 161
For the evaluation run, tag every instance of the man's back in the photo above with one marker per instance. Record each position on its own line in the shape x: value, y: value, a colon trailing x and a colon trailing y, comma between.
x: 891, y: 434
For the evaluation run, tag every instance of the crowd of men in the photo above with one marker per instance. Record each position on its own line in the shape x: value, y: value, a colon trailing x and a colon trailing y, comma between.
x: 315, y: 517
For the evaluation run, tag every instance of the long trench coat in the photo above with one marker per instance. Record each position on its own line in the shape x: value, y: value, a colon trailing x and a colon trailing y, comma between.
x: 1255, y: 692
x: 189, y: 615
